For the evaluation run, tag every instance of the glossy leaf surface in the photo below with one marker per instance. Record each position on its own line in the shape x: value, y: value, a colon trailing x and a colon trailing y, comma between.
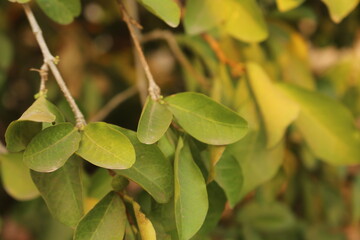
x: 16, y: 177
x: 278, y: 112
x: 327, y: 126
x: 107, y: 220
x: 191, y: 199
x: 50, y: 149
x: 205, y: 119
x: 61, y: 11
x: 62, y: 191
x: 154, y: 121
x: 151, y: 170
x: 106, y: 146
x: 167, y: 10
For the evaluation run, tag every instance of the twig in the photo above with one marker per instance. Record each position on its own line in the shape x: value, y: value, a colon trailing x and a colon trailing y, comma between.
x: 113, y: 103
x: 140, y: 75
x: 170, y: 39
x: 237, y: 68
x: 3, y: 149
x: 154, y: 89
x: 44, y: 75
x: 49, y: 61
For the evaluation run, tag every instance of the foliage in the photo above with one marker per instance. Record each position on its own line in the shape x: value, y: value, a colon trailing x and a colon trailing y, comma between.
x: 252, y: 134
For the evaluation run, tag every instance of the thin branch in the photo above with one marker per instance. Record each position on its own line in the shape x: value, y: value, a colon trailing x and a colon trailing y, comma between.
x: 113, y: 103
x: 44, y: 76
x: 140, y: 74
x: 3, y: 149
x: 154, y: 89
x: 49, y: 61
x: 180, y: 56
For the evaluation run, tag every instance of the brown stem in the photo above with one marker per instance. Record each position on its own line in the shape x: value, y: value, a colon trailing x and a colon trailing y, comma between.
x: 49, y: 61
x: 153, y: 88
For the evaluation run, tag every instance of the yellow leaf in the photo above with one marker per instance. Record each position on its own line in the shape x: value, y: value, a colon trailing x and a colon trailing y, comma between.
x: 147, y: 231
x: 277, y: 111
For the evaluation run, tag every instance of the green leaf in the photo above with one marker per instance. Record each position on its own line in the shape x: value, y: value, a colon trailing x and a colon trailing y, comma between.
x: 106, y: 146
x: 100, y: 184
x: 50, y: 149
x: 217, y: 201
x: 40, y: 111
x: 61, y: 11
x: 339, y: 9
x: 246, y: 22
x: 286, y: 5
x: 168, y: 10
x: 202, y: 15
x: 267, y: 217
x: 277, y: 111
x: 205, y: 119
x: 107, y: 220
x: 154, y: 121
x: 191, y: 199
x: 19, y: 134
x: 146, y: 228
x: 62, y: 191
x: 327, y: 126
x: 230, y: 178
x: 16, y: 177
x: 151, y: 170
x: 258, y: 164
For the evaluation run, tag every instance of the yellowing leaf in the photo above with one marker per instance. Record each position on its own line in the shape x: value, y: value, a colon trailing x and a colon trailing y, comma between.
x: 146, y: 228
x: 246, y: 22
x: 286, y: 5
x: 278, y: 112
x: 327, y: 126
x: 202, y: 15
x: 339, y: 9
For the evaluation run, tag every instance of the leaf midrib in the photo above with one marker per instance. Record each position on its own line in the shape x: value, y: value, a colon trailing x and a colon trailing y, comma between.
x: 52, y: 145
x: 236, y: 125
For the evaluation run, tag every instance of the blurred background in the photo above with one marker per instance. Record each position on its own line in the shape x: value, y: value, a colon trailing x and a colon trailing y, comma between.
x: 319, y: 202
